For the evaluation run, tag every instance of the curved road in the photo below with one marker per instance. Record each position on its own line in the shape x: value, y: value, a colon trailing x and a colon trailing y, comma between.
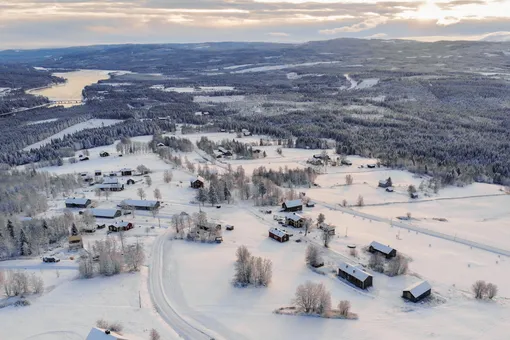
x: 185, y: 328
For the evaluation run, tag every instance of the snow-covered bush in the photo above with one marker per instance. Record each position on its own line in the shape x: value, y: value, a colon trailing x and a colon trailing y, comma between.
x: 36, y: 284
x: 399, y: 265
x: 376, y: 263
x: 154, y: 335
x: 479, y: 289
x: 134, y: 256
x: 251, y: 270
x: 313, y: 256
x: 344, y: 307
x: 492, y: 290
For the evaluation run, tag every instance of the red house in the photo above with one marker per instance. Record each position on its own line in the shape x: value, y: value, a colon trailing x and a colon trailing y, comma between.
x: 120, y: 226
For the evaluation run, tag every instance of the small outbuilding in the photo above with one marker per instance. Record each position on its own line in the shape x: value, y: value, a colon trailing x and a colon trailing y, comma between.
x: 126, y: 172
x: 78, y: 202
x: 278, y: 235
x: 120, y: 226
x: 387, y: 251
x: 385, y: 183
x: 75, y: 242
x: 293, y: 205
x: 104, y: 154
x: 355, y: 275
x: 197, y: 182
x: 417, y: 291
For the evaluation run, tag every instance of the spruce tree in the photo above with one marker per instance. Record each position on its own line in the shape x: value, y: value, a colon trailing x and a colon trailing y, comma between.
x: 213, y: 195
x: 24, y: 247
x: 10, y: 228
x: 74, y: 230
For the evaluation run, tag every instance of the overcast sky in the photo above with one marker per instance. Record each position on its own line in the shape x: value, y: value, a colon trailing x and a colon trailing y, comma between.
x: 45, y: 23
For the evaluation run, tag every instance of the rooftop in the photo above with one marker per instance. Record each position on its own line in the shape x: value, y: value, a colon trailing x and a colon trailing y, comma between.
x: 355, y: 271
x: 293, y: 203
x: 418, y: 288
x: 77, y: 200
x: 381, y: 247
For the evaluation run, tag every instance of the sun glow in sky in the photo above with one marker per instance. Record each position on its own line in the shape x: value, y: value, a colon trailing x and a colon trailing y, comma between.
x: 37, y: 23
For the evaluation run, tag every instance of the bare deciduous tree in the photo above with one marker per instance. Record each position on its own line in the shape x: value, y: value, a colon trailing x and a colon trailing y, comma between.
x: 167, y: 176
x: 344, y: 203
x: 98, y: 192
x: 492, y: 290
x: 344, y: 307
x: 157, y: 194
x: 376, y: 263
x: 141, y: 193
x: 326, y: 237
x: 313, y: 256
x: 36, y: 283
x: 349, y: 179
x: 312, y: 298
x: 148, y: 181
x: 399, y: 265
x: 134, y: 256
x: 307, y: 225
x: 360, y: 202
x: 479, y: 288
x: 321, y: 218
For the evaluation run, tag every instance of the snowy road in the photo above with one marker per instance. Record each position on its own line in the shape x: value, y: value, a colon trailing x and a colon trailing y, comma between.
x: 187, y: 329
x: 425, y: 231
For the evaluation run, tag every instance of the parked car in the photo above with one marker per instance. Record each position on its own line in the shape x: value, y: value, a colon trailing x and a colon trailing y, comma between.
x: 49, y: 259
x: 229, y: 227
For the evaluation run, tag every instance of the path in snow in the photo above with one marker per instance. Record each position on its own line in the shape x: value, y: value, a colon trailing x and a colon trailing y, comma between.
x: 185, y: 328
x: 418, y: 229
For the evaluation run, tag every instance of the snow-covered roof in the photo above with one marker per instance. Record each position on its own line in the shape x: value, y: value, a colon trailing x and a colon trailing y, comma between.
x: 111, y: 180
x: 355, y: 271
x: 293, y: 203
x: 100, y: 334
x: 418, y: 288
x: 77, y: 201
x: 222, y: 149
x: 126, y: 169
x: 381, y: 247
x: 198, y: 178
x: 108, y: 186
x: 383, y: 181
x: 294, y: 217
x: 277, y: 232
x: 104, y: 212
x: 139, y: 203
x: 121, y: 223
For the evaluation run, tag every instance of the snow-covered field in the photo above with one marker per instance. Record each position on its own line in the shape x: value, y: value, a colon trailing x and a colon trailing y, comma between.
x: 89, y: 124
x: 191, y: 282
x: 43, y: 121
x: 193, y: 89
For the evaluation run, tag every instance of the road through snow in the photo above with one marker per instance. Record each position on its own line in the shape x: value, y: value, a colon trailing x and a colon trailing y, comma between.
x: 187, y: 329
x: 425, y: 231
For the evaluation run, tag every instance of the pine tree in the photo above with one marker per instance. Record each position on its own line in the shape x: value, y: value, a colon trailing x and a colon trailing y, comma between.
x: 201, y: 196
x: 213, y: 195
x: 10, y: 228
x: 226, y: 193
x: 24, y: 247
x: 74, y: 230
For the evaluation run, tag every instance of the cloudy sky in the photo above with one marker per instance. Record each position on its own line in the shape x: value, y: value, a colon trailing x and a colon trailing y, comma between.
x: 45, y: 23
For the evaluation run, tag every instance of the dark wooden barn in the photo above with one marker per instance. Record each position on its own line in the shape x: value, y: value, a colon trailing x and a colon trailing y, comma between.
x: 197, y: 182
x: 294, y: 205
x: 355, y: 275
x: 417, y: 292
x: 78, y: 202
x: 278, y: 235
x: 387, y: 251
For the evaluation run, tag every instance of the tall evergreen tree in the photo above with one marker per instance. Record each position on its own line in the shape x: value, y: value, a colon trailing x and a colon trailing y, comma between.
x: 213, y: 195
x: 74, y: 230
x: 10, y: 228
x: 24, y: 246
x: 201, y: 196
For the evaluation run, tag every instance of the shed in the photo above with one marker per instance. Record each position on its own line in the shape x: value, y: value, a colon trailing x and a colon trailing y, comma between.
x: 414, y: 195
x: 104, y: 154
x: 126, y: 172
x: 140, y: 204
x: 294, y: 205
x: 197, y: 182
x: 120, y: 226
x: 355, y: 275
x: 387, y: 251
x: 417, y: 291
x: 106, y: 213
x: 78, y: 202
x: 98, y: 173
x: 75, y: 242
x: 295, y: 220
x: 278, y: 234
x: 104, y: 334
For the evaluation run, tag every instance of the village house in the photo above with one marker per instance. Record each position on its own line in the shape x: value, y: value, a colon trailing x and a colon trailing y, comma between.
x: 104, y: 154
x: 104, y: 334
x: 387, y: 251
x: 385, y: 183
x: 75, y: 242
x: 355, y: 275
x: 294, y: 220
x: 111, y: 184
x: 417, y: 291
x: 278, y: 235
x: 120, y: 226
x: 225, y: 152
x: 77, y: 202
x: 140, y: 204
x: 105, y: 213
x: 294, y: 205
x: 197, y: 182
x: 329, y: 228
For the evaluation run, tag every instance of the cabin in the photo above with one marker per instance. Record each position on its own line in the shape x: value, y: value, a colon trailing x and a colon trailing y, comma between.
x: 389, y: 189
x: 387, y: 251
x: 414, y: 195
x: 98, y: 173
x: 294, y: 220
x: 197, y: 182
x: 355, y: 275
x: 104, y: 334
x: 385, y: 183
x: 126, y: 172
x: 323, y: 157
x: 120, y: 226
x: 417, y: 291
x: 208, y: 226
x: 278, y: 235
x: 106, y: 213
x: 294, y: 205
x: 140, y: 204
x: 75, y: 242
x: 104, y: 154
x: 111, y: 184
x: 225, y: 152
x: 78, y: 202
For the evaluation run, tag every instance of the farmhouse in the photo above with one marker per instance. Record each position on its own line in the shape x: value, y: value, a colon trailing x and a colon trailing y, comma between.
x: 78, y: 202
x: 140, y: 204
x: 278, y: 235
x: 294, y: 205
x: 197, y: 182
x: 417, y: 292
x: 126, y: 172
x: 104, y: 154
x: 355, y: 275
x: 295, y: 220
x: 106, y: 213
x: 387, y: 251
x: 111, y: 184
x: 120, y: 226
x: 104, y: 334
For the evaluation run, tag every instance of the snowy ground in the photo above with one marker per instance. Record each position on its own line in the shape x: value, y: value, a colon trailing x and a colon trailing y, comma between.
x: 89, y: 124
x: 192, y: 281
